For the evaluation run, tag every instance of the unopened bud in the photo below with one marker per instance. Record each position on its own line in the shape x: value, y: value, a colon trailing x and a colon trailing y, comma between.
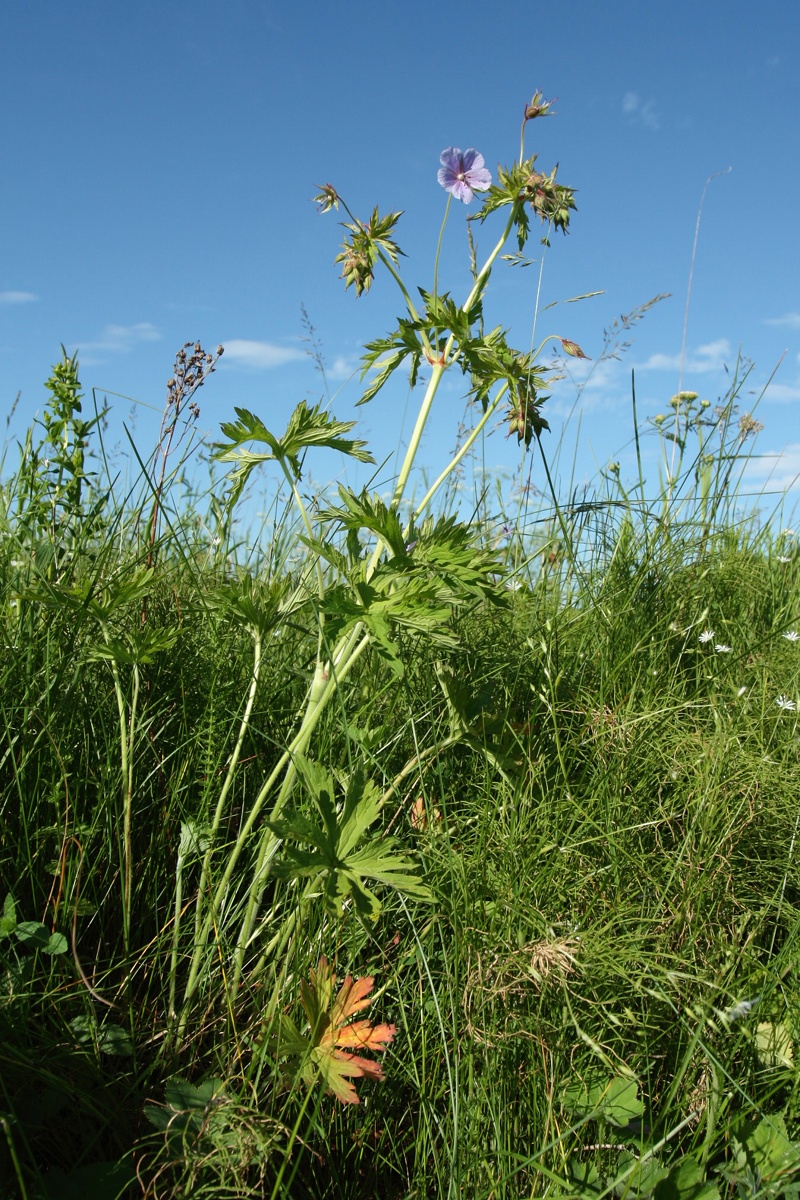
x: 572, y: 348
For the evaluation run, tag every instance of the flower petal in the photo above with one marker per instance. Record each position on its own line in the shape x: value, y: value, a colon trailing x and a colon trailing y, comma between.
x: 452, y: 159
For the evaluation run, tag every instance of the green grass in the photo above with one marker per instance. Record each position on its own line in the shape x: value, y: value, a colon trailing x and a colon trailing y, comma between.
x: 603, y: 806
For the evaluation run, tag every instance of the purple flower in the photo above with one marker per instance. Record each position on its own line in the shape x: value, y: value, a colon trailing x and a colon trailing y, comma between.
x: 462, y: 174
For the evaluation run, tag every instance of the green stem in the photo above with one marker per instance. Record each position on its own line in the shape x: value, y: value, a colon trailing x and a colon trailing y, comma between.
x: 439, y: 246
x: 270, y: 841
x: 487, y: 266
x: 126, y: 779
x: 298, y: 499
x: 176, y: 921
x: 200, y: 938
x: 345, y: 660
x: 327, y: 678
x: 474, y: 435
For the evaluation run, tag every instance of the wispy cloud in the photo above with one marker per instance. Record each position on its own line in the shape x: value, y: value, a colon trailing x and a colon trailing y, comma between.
x: 118, y: 339
x: 261, y: 355
x: 640, y: 113
x: 787, y: 321
x: 783, y: 393
x: 778, y: 470
x: 342, y: 368
x: 710, y: 357
x: 17, y: 297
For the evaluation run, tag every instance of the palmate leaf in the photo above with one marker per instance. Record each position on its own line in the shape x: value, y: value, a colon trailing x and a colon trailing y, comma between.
x: 384, y: 356
x: 365, y: 511
x: 441, y: 319
x: 412, y: 604
x: 102, y: 601
x: 136, y: 648
x: 307, y: 427
x: 435, y: 572
x: 336, y: 857
x: 334, y: 1037
x: 444, y: 316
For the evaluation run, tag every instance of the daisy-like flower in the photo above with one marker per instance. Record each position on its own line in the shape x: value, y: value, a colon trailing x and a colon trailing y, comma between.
x: 785, y: 703
x: 791, y: 635
x: 784, y: 558
x: 462, y: 173
x: 720, y: 649
x: 706, y: 635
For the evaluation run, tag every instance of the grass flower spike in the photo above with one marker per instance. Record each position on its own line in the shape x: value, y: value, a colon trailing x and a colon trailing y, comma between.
x: 462, y: 174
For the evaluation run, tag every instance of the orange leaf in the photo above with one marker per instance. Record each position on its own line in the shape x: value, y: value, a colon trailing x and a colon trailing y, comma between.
x: 333, y: 1036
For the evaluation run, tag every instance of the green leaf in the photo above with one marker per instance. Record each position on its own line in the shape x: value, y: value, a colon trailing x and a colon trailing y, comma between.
x: 194, y: 839
x: 307, y: 427
x: 33, y: 934
x: 135, y: 648
x: 773, y: 1043
x: 8, y: 921
x: 100, y: 1181
x: 364, y: 511
x: 770, y: 1151
x: 362, y: 249
x: 686, y: 1181
x: 586, y: 1180
x: 637, y: 1177
x: 337, y: 857
x: 102, y: 602
x: 180, y: 1094
x: 621, y: 1103
x: 615, y: 1100
x: 186, y: 1106
x: 109, y: 1039
x: 56, y: 945
x: 384, y: 356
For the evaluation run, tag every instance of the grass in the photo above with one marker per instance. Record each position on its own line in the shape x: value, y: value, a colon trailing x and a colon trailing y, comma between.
x: 591, y: 959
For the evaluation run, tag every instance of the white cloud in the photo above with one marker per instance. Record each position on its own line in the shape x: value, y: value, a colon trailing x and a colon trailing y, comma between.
x: 262, y: 355
x: 709, y: 357
x: 776, y: 470
x: 787, y: 321
x: 643, y: 114
x: 782, y: 393
x: 118, y: 339
x: 17, y: 297
x: 342, y: 368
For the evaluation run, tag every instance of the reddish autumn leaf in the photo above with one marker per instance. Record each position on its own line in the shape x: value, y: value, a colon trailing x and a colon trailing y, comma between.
x: 334, y: 1036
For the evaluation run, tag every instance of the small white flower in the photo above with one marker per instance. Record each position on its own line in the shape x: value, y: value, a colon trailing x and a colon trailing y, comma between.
x: 791, y: 635
x: 785, y: 703
x: 784, y: 558
x: 787, y: 533
x: 737, y: 1011
x: 706, y: 635
x: 513, y: 585
x: 720, y: 649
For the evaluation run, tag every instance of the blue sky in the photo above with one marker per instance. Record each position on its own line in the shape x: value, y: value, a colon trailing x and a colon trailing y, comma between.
x: 159, y: 161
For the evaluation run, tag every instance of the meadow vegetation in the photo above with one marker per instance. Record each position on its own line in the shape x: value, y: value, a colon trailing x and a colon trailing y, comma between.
x: 382, y: 851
